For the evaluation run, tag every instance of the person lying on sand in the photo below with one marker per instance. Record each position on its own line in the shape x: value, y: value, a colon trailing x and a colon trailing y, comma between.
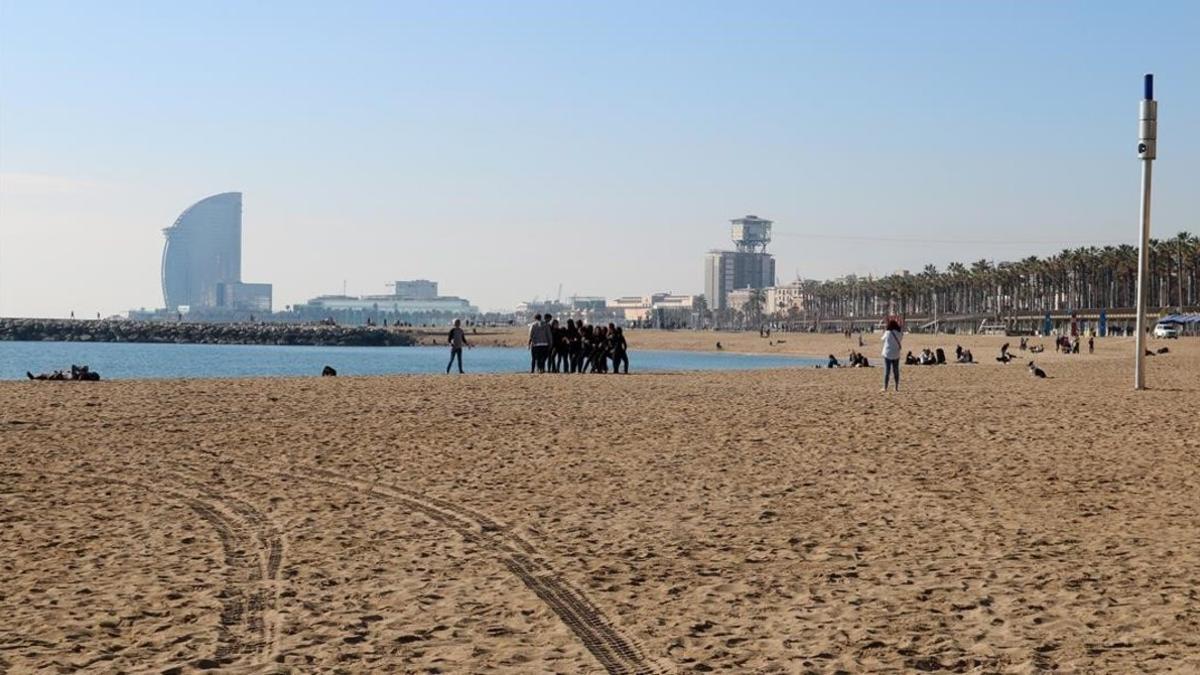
x: 78, y: 374
x: 56, y: 375
x: 83, y: 373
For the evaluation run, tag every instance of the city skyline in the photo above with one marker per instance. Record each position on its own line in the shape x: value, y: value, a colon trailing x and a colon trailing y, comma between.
x: 507, y: 151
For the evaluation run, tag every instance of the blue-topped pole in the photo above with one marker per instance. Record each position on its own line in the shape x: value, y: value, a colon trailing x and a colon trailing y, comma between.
x: 1147, y: 151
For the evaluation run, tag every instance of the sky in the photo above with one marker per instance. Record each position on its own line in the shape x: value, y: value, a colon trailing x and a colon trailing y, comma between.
x: 505, y: 149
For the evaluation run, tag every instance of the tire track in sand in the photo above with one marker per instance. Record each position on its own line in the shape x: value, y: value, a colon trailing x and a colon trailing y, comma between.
x: 617, y: 653
x: 243, y: 631
x: 262, y: 601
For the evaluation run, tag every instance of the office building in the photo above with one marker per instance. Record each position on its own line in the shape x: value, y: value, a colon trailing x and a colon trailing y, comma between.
x: 242, y: 297
x: 748, y: 266
x: 411, y: 300
x: 786, y: 297
x: 416, y: 289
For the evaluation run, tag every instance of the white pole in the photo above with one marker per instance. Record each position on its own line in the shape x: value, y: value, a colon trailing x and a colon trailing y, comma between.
x: 1147, y: 151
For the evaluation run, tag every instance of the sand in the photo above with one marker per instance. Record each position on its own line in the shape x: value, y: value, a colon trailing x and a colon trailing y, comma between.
x: 773, y: 521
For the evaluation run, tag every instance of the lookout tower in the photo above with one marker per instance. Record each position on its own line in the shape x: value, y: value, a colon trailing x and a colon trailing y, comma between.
x: 751, y: 234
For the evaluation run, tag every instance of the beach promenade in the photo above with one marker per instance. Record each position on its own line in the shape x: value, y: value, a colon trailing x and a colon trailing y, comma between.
x: 770, y: 521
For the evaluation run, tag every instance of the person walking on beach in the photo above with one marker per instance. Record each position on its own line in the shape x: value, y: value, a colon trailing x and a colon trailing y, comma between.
x: 892, y: 338
x: 457, y: 338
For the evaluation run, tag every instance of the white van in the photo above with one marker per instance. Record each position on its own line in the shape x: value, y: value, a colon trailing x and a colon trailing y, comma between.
x: 1166, y: 330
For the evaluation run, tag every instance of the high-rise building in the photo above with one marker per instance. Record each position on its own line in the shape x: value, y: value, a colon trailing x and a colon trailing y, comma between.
x: 202, y: 259
x: 749, y: 266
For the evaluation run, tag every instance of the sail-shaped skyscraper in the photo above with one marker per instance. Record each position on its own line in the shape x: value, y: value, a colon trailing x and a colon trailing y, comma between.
x: 202, y: 259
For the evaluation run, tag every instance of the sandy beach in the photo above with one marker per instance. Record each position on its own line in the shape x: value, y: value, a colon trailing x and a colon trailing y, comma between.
x: 771, y: 521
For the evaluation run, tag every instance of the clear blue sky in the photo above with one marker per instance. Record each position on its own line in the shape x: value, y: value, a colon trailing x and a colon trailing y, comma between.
x: 504, y: 148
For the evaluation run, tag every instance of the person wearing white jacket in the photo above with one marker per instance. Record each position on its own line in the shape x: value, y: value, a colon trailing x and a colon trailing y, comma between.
x: 892, y: 338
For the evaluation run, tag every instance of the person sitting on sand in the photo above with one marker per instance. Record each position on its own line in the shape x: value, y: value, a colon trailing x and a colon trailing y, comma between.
x: 966, y: 357
x: 910, y: 360
x: 958, y: 351
x: 833, y: 362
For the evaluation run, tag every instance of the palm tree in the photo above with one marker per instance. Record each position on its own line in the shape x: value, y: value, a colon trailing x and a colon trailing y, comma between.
x: 753, y: 307
x: 1183, y: 243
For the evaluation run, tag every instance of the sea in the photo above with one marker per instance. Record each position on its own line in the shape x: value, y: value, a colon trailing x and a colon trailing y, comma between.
x: 152, y: 361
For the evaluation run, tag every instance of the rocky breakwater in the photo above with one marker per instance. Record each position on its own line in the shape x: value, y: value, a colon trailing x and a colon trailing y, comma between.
x: 37, y: 330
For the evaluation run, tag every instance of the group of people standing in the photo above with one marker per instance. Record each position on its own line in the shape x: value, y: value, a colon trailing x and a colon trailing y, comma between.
x: 576, y: 347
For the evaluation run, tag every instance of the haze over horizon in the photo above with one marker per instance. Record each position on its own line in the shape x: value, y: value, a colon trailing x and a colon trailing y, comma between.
x: 502, y: 151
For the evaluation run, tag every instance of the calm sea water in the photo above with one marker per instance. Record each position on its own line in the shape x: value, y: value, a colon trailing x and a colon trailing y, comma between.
x: 125, y: 360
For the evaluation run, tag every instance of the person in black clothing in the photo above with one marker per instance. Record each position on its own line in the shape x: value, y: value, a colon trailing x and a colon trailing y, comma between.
x: 562, y: 349
x: 600, y: 351
x: 620, y: 353
x: 457, y: 338
x: 574, y: 345
x: 586, y: 334
x: 555, y: 336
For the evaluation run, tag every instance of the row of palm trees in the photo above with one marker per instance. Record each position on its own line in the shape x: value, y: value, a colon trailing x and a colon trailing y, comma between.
x: 1075, y: 279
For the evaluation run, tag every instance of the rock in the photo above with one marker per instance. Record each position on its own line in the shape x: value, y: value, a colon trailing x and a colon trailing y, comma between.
x: 50, y: 330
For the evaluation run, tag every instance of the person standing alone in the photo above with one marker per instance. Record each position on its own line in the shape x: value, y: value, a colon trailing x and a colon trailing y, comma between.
x: 892, y: 338
x: 457, y: 338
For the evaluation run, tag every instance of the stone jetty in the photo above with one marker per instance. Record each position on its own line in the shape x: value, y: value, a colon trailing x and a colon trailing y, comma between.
x: 120, y: 330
